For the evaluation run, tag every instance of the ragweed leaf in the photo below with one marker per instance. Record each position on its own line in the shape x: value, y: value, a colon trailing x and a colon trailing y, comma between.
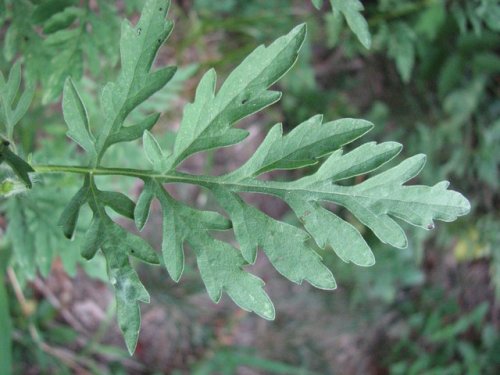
x: 207, y: 123
x: 402, y: 50
x: 138, y: 46
x: 117, y: 245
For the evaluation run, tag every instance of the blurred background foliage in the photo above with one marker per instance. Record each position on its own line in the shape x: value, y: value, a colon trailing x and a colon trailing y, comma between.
x: 430, y: 80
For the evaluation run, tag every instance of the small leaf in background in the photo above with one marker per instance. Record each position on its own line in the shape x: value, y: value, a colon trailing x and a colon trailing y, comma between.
x: 351, y: 10
x: 402, y: 50
x: 12, y: 106
x: 334, y: 24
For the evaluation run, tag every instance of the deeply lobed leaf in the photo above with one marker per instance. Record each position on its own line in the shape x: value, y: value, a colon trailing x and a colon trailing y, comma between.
x: 138, y: 47
x: 208, y: 123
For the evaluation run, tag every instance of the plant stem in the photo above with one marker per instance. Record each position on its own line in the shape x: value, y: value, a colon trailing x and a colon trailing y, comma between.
x: 253, y: 185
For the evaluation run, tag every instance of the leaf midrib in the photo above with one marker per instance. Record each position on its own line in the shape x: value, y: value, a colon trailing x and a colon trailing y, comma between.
x: 277, y: 188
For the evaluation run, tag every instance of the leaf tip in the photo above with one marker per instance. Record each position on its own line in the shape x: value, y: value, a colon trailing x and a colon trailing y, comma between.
x: 269, y: 313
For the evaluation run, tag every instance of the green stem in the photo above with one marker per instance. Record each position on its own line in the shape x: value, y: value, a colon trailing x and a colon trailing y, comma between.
x: 277, y: 188
x: 255, y: 186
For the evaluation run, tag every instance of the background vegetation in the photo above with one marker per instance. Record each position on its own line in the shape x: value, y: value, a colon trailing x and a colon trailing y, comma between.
x: 430, y: 79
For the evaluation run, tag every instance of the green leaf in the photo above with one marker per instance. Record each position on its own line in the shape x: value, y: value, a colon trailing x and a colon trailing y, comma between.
x: 119, y: 202
x: 138, y: 47
x: 72, y: 38
x: 62, y: 20
x: 129, y: 291
x: 117, y: 245
x: 207, y: 122
x: 132, y: 132
x: 8, y: 92
x: 48, y: 8
x: 220, y: 264
x: 135, y: 83
x: 18, y: 165
x: 304, y: 145
x: 283, y: 244
x: 94, y: 237
x: 76, y: 117
x: 220, y: 267
x: 402, y: 50
x: 69, y: 216
x: 351, y: 10
x: 12, y: 108
x: 154, y: 153
x: 374, y: 202
x: 141, y: 212
x: 330, y: 230
x: 180, y: 223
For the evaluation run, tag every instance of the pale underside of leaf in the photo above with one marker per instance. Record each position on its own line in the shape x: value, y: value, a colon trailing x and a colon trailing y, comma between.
x: 208, y: 120
x: 207, y: 123
x: 283, y: 244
